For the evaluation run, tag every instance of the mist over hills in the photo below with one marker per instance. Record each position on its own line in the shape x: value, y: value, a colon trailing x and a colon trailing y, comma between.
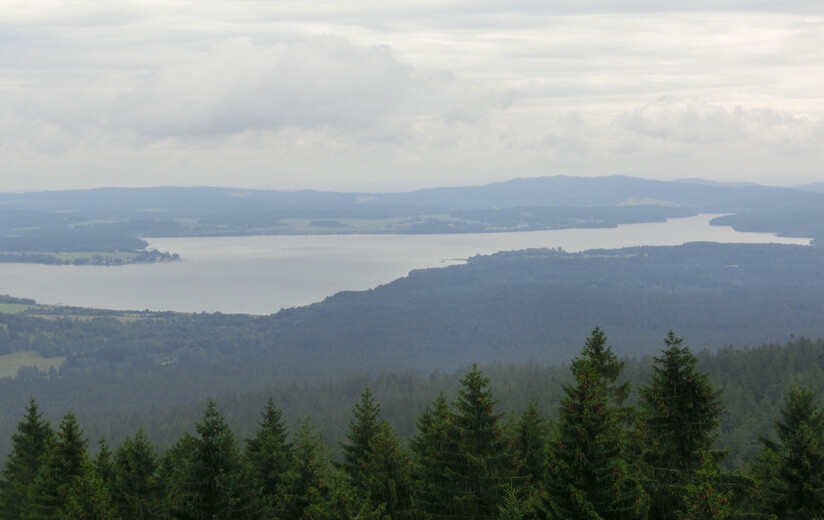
x: 561, y: 191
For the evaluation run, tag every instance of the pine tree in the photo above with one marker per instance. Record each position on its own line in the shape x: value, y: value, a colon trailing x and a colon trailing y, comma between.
x: 29, y: 446
x: 792, y: 469
x: 65, y: 461
x: 270, y: 456
x: 136, y: 491
x: 587, y: 475
x: 680, y: 413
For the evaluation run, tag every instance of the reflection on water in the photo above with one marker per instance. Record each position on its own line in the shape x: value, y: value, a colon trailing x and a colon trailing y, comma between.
x: 261, y: 275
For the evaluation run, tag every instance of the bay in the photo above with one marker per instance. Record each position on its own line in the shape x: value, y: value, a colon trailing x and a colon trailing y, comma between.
x: 263, y: 274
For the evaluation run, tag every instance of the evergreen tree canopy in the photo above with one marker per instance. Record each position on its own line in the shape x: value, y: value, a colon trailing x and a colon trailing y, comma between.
x: 531, y: 442
x: 209, y: 481
x: 607, y: 365
x: 362, y: 430
x: 88, y: 498
x: 64, y: 461
x: 679, y: 415
x: 135, y: 487
x: 587, y: 476
x: 307, y: 484
x: 29, y: 445
x: 792, y: 469
x: 483, y: 463
x: 433, y: 452
x: 270, y: 457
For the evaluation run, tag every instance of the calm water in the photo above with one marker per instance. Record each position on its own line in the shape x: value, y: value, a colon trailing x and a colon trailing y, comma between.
x: 261, y: 275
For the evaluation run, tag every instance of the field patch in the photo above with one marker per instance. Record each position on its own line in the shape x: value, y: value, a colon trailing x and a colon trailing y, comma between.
x: 11, y: 363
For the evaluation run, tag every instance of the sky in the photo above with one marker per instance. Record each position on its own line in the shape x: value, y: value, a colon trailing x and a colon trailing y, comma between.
x: 356, y: 95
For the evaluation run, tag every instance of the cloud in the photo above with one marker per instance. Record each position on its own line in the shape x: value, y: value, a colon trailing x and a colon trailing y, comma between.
x: 693, y: 121
x: 682, y: 119
x: 323, y: 82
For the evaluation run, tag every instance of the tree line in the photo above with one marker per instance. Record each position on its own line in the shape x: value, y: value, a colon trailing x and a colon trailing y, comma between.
x: 599, y: 459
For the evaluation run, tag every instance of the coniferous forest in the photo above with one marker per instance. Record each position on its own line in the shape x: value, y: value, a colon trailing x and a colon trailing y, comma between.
x: 597, y: 456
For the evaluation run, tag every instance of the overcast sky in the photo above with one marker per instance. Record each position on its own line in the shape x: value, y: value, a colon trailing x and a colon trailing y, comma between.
x: 357, y: 95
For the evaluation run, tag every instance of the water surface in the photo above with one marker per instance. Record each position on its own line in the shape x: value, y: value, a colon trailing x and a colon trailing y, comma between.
x: 262, y: 274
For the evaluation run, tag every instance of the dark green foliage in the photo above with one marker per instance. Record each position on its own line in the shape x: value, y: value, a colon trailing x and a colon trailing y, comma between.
x: 705, y: 498
x: 135, y: 487
x: 65, y: 461
x: 307, y: 490
x: 88, y: 498
x: 29, y: 445
x: 362, y: 430
x: 483, y: 463
x: 530, y: 446
x: 103, y: 463
x: 792, y: 469
x: 377, y: 467
x: 607, y: 365
x: 588, y: 477
x: 208, y: 483
x: 680, y: 414
x: 386, y: 477
x: 433, y: 453
x: 270, y: 457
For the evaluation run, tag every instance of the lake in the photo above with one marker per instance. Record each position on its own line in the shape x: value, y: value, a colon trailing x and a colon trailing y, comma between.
x: 262, y: 274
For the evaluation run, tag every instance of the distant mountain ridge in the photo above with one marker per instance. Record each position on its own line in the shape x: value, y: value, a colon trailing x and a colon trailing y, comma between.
x: 817, y: 187
x: 520, y: 192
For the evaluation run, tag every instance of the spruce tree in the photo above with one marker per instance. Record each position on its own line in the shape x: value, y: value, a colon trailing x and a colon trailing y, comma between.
x: 433, y: 451
x: 530, y: 444
x: 135, y: 487
x: 679, y: 415
x: 29, y: 445
x: 64, y: 461
x: 210, y: 485
x: 705, y: 499
x: 88, y: 498
x: 792, y: 469
x: 362, y: 429
x: 387, y: 476
x: 482, y: 465
x: 606, y: 364
x: 307, y: 483
x: 270, y: 455
x: 374, y: 462
x: 587, y: 475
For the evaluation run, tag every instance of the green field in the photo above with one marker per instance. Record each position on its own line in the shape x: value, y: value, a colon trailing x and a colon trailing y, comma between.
x: 11, y: 363
x: 13, y: 308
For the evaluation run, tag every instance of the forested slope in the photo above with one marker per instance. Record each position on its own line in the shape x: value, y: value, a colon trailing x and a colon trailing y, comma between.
x: 480, y: 444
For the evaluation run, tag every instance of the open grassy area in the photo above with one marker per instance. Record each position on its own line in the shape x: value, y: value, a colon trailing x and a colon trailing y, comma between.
x: 11, y: 363
x: 12, y: 308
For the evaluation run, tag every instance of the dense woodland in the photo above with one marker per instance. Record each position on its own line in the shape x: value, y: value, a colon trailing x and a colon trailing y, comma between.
x: 598, y: 457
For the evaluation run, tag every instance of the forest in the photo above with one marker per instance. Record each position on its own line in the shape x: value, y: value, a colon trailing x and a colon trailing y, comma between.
x: 598, y: 456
